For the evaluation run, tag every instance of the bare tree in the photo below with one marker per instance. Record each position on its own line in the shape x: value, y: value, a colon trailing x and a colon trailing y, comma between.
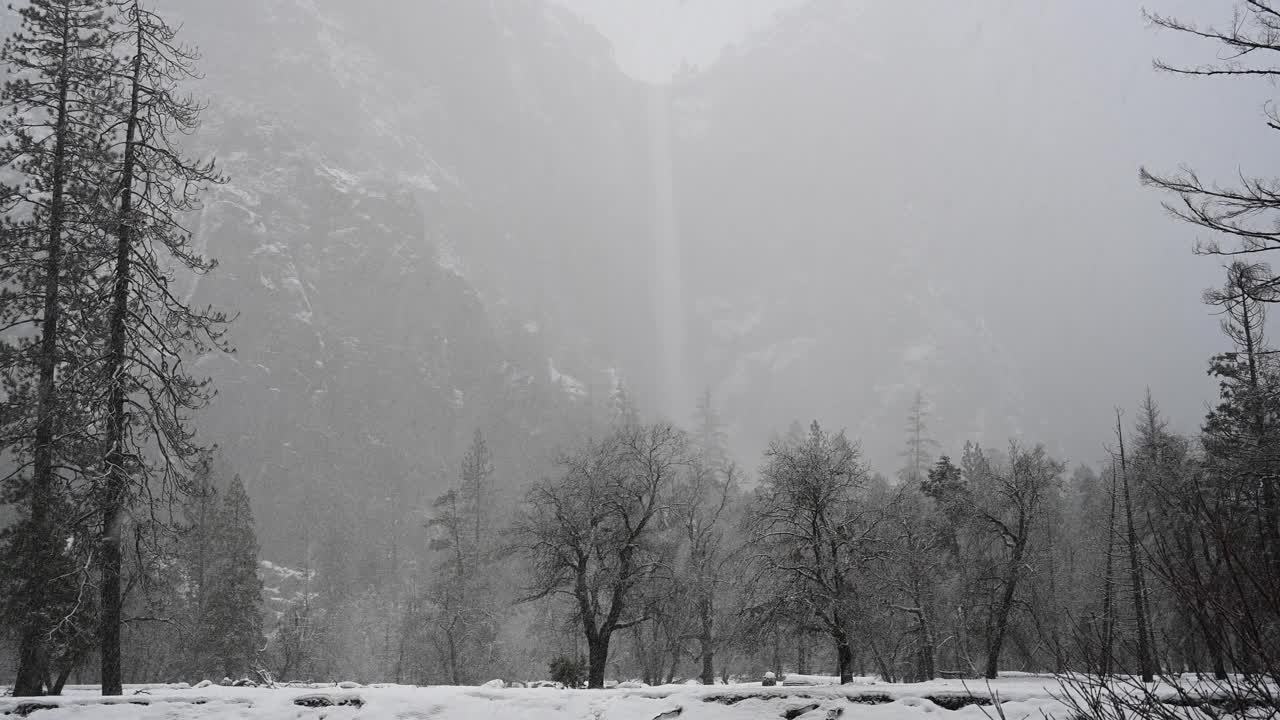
x: 808, y: 528
x: 591, y: 535
x: 1249, y: 46
x: 1005, y: 501
x: 912, y: 571
x: 701, y: 514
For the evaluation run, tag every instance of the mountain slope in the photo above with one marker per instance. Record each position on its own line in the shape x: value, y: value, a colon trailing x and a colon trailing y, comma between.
x: 422, y: 195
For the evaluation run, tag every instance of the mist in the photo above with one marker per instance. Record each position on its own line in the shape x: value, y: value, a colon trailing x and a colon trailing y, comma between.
x: 470, y: 239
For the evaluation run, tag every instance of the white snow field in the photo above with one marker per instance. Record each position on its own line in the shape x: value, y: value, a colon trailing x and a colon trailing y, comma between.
x: 1021, y: 698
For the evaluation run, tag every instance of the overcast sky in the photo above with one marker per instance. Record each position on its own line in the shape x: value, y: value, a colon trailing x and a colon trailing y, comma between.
x: 653, y: 38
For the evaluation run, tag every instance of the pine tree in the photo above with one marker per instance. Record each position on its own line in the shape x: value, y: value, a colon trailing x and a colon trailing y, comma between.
x: 199, y: 523
x: 67, y: 614
x: 1240, y: 434
x: 462, y: 625
x: 477, y: 468
x: 231, y: 624
x: 55, y: 100
x: 622, y: 408
x: 150, y: 329
x: 920, y: 445
x: 710, y: 437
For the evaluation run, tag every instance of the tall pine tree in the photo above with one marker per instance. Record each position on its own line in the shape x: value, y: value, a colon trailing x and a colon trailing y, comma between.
x: 709, y: 436
x: 920, y: 445
x: 231, y: 621
x: 151, y: 330
x: 50, y: 247
x: 1240, y: 434
x: 462, y: 624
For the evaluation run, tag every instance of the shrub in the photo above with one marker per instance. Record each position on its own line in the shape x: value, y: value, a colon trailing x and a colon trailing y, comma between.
x: 568, y: 671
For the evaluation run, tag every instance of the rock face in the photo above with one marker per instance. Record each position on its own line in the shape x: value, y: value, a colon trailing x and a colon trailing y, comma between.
x: 433, y: 215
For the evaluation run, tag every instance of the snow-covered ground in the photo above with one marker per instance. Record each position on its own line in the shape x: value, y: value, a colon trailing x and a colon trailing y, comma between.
x: 1022, y: 698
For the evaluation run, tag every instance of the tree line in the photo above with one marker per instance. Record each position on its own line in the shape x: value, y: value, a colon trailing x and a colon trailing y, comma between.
x: 999, y: 559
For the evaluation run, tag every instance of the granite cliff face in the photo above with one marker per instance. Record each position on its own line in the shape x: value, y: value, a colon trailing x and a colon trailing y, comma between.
x: 422, y: 235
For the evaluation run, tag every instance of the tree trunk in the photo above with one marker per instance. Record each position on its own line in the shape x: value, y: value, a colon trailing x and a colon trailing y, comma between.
x: 1001, y: 626
x: 61, y: 681
x: 1055, y: 637
x: 597, y: 657
x: 1216, y: 656
x: 1270, y: 509
x: 453, y: 657
x: 802, y: 654
x: 109, y: 624
x: 886, y: 672
x: 844, y: 653
x: 844, y: 660
x: 777, y: 652
x: 928, y: 666
x: 1108, y: 588
x: 706, y: 640
x: 31, y: 664
x: 1135, y: 569
x: 117, y: 473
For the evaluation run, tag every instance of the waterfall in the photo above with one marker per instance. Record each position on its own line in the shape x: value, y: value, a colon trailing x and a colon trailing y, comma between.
x: 668, y: 285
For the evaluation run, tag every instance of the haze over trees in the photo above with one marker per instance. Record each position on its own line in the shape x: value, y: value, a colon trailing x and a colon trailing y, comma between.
x: 434, y: 459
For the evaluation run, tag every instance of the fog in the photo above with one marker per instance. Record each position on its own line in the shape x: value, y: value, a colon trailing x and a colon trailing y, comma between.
x: 984, y: 156
x: 525, y: 218
x: 868, y: 199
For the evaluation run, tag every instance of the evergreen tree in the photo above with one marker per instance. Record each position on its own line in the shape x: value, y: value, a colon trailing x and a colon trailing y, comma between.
x: 920, y: 446
x: 476, y: 488
x: 943, y: 479
x: 199, y: 524
x: 622, y: 408
x: 231, y: 624
x: 150, y: 329
x: 462, y: 624
x: 49, y: 248
x: 709, y: 436
x: 64, y: 620
x: 1241, y: 433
